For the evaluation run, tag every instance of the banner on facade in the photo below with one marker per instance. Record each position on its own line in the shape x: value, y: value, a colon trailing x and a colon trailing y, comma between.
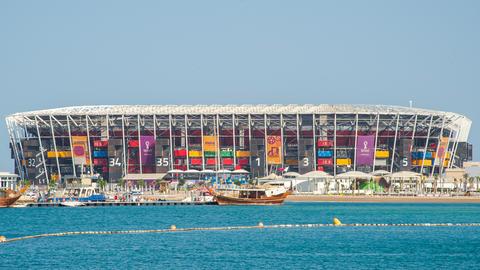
x: 274, y: 150
x: 405, y: 154
x: 147, y: 144
x: 365, y: 149
x: 80, y: 150
x: 210, y: 143
x: 115, y: 159
x: 442, y: 148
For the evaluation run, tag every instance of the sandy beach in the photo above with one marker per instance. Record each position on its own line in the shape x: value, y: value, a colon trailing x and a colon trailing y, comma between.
x: 382, y: 199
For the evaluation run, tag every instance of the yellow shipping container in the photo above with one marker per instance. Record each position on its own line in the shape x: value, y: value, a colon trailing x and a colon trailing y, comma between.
x: 241, y: 153
x: 195, y: 153
x: 344, y: 161
x: 382, y: 154
x: 291, y: 162
x: 59, y: 154
x: 418, y: 162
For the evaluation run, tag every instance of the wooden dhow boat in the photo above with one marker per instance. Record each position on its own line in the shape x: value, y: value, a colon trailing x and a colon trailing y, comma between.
x: 251, y: 196
x: 9, y: 197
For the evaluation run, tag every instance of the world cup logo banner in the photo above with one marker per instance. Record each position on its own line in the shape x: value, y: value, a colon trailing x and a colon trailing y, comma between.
x: 80, y: 150
x: 148, y: 149
x: 274, y: 150
x: 365, y: 150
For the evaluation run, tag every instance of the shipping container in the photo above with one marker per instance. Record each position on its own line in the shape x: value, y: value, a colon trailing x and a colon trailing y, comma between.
x: 382, y: 154
x: 326, y: 154
x: 344, y: 161
x: 242, y: 153
x: 325, y: 143
x: 195, y: 153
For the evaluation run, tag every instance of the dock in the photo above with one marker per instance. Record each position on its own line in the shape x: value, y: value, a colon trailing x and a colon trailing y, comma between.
x: 146, y: 203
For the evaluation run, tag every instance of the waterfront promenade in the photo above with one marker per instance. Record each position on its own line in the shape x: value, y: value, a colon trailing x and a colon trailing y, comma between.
x: 383, y: 199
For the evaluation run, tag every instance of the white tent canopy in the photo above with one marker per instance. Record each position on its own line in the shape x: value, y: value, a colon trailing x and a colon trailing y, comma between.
x: 224, y: 171
x: 144, y: 176
x: 175, y: 171
x: 380, y: 173
x: 354, y: 174
x: 271, y: 176
x: 291, y: 174
x: 241, y: 171
x: 192, y: 171
x: 207, y: 171
x: 405, y: 174
x: 317, y: 174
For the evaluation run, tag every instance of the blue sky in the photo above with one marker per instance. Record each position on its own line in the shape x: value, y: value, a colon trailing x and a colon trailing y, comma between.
x: 64, y: 53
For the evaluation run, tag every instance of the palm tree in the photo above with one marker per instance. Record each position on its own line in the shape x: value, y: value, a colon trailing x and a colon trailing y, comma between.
x: 102, y: 183
x: 141, y: 184
x: 52, y: 185
x: 121, y: 183
x: 476, y: 184
x: 470, y: 182
x: 26, y: 182
x: 435, y: 184
x: 465, y: 179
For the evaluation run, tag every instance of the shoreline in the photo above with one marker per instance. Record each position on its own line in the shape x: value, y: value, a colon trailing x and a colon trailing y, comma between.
x: 381, y: 199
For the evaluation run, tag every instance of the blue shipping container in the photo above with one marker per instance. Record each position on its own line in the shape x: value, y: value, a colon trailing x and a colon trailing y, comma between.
x: 100, y: 154
x: 325, y: 153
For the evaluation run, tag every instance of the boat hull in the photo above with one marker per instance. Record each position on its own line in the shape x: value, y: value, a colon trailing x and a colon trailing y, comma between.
x: 5, y: 202
x: 227, y: 200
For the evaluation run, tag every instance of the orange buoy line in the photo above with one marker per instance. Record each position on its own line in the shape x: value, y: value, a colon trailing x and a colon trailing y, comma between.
x: 174, y: 228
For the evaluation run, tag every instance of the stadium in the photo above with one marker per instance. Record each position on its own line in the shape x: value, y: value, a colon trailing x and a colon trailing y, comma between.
x: 123, y: 140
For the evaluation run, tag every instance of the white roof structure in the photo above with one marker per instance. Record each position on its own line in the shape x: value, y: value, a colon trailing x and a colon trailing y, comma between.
x: 457, y: 119
x: 355, y: 174
x: 229, y: 109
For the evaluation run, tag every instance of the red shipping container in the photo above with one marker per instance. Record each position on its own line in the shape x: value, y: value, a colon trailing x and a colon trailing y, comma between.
x: 180, y: 167
x: 196, y: 161
x: 325, y: 161
x: 133, y: 143
x: 180, y: 153
x: 228, y: 161
x: 243, y: 161
x: 99, y: 162
x: 324, y: 143
x: 100, y: 143
x: 238, y: 167
x: 211, y: 161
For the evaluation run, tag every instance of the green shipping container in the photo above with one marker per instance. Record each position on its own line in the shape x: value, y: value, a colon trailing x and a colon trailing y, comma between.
x: 209, y: 154
x: 226, y: 153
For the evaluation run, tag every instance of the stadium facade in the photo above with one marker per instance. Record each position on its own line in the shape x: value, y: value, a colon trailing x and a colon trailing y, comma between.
x: 115, y: 141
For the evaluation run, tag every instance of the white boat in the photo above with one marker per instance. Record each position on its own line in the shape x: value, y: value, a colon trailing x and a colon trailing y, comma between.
x: 72, y: 204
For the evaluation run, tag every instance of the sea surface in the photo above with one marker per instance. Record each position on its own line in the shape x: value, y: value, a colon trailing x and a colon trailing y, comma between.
x: 300, y: 248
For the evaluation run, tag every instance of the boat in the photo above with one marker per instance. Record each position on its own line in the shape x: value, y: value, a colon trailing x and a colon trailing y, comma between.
x: 83, y: 194
x: 251, y: 196
x: 72, y: 204
x: 9, y: 197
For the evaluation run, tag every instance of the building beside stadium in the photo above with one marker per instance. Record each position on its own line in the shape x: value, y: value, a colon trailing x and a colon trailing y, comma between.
x: 115, y: 141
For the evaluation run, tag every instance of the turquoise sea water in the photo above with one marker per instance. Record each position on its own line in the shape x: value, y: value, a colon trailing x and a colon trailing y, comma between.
x: 313, y: 248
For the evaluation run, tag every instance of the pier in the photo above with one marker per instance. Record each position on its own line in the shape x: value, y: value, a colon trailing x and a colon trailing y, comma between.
x: 145, y: 203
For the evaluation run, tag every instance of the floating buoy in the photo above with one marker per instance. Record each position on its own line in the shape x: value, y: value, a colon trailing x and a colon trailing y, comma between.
x: 260, y: 225
x: 336, y: 221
